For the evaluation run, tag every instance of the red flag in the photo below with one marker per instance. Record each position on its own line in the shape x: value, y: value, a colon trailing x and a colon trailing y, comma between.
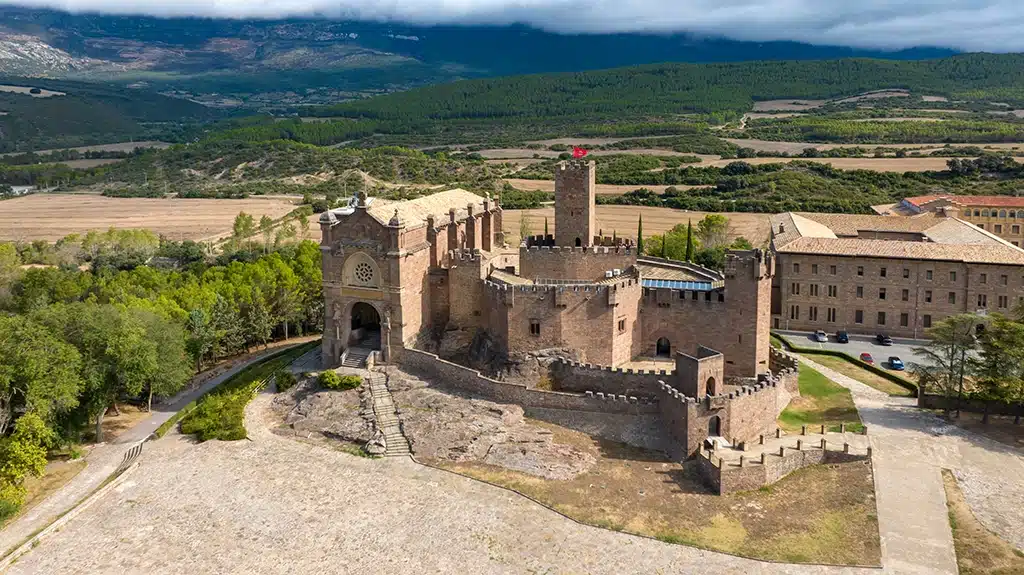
x: 578, y: 152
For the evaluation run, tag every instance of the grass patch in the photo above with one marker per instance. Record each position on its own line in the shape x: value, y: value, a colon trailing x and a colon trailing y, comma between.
x: 822, y: 513
x: 220, y: 413
x: 821, y: 402
x: 331, y: 380
x: 37, y: 489
x: 903, y: 382
x: 862, y: 375
x: 978, y: 550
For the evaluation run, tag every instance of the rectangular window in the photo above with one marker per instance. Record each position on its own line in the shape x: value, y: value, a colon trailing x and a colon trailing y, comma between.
x: 881, y: 293
x: 926, y: 320
x: 1003, y: 302
x: 928, y: 275
x: 860, y: 291
x: 622, y: 325
x: 796, y: 268
x: 1015, y: 230
x: 928, y: 296
x: 999, y: 228
x: 952, y: 297
x: 904, y: 319
x: 1004, y: 279
x: 881, y: 318
x: 534, y: 327
x: 860, y: 270
x: 905, y: 296
x: 982, y: 226
x: 814, y: 269
x: 794, y: 288
x: 881, y: 272
x: 831, y: 315
x: 858, y: 316
x: 906, y: 273
x: 794, y: 312
x: 982, y: 300
x: 833, y: 291
x: 984, y: 278
x: 814, y: 289
x: 832, y: 270
x: 812, y: 314
x: 952, y: 276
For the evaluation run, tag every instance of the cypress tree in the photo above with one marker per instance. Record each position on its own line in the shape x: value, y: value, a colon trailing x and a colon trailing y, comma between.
x: 640, y: 236
x: 689, y: 241
x: 664, y: 245
x: 545, y: 227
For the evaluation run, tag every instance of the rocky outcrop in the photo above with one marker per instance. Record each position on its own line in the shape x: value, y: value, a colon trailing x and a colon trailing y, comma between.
x: 342, y: 415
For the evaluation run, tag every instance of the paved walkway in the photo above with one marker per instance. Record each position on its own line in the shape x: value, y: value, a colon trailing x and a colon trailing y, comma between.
x: 104, y: 458
x: 911, y: 447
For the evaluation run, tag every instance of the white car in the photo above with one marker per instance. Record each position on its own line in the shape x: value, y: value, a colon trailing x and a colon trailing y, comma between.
x: 820, y: 336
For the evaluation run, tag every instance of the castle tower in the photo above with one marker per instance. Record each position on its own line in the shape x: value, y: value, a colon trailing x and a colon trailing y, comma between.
x: 575, y: 216
x: 748, y: 281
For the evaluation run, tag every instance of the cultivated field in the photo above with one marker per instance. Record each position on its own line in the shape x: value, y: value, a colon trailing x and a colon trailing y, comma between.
x: 118, y: 147
x: 876, y: 164
x: 28, y: 91
x: 53, y: 216
x: 602, y: 189
x: 623, y: 221
x: 797, y: 147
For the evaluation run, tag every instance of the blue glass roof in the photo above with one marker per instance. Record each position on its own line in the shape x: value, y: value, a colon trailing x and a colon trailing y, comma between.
x: 677, y: 284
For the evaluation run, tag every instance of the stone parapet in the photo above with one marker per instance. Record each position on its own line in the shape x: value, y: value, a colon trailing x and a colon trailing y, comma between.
x: 576, y: 376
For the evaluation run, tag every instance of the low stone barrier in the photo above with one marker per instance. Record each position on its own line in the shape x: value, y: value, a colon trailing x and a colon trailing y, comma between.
x: 580, y: 377
x: 990, y: 406
x: 473, y: 382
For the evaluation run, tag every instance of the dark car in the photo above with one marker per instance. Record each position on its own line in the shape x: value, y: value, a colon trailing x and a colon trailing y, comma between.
x: 883, y: 339
x: 842, y: 337
x: 896, y: 364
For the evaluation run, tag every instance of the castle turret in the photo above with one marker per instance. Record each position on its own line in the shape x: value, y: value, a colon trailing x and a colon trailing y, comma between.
x: 575, y: 196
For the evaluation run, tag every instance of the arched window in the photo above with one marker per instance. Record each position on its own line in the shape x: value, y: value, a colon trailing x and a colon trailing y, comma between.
x: 1002, y: 213
x: 977, y: 213
x: 1013, y: 214
x: 663, y: 348
x: 361, y: 270
x: 579, y: 242
x: 984, y: 213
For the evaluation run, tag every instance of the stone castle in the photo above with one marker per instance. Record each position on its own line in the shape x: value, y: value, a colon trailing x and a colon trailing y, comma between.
x: 399, y: 273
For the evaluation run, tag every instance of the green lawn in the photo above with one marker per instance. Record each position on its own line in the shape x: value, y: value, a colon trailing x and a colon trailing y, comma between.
x: 821, y: 401
x: 861, y: 374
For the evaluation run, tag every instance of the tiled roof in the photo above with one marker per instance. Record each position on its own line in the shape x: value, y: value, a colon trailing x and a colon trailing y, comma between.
x: 851, y: 225
x: 968, y: 253
x: 415, y: 212
x: 980, y: 201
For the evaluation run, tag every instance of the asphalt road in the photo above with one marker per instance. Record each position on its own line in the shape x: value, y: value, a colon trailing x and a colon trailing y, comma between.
x: 901, y: 348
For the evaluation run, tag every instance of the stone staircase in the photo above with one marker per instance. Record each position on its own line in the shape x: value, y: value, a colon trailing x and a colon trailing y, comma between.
x: 355, y: 357
x: 387, y: 417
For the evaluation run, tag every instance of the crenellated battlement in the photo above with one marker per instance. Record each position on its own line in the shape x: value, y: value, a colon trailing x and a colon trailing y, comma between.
x: 464, y: 255
x: 621, y: 249
x: 580, y: 366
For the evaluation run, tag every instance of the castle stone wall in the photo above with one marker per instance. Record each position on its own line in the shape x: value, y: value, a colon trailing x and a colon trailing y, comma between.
x: 568, y: 263
x: 581, y: 377
x: 725, y: 478
x: 575, y: 198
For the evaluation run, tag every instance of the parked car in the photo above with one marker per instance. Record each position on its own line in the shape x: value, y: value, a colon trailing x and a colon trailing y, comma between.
x: 842, y: 337
x: 896, y: 364
x: 866, y: 358
x: 820, y: 336
x: 883, y: 339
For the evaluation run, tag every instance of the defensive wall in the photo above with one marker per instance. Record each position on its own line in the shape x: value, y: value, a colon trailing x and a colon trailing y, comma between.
x: 549, y: 241
x: 972, y: 405
x: 767, y: 468
x: 580, y: 377
x: 472, y: 382
x: 573, y: 263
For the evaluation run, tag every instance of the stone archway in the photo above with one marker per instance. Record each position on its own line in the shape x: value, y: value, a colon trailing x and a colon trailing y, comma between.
x: 663, y: 348
x: 579, y: 243
x: 365, y: 326
x: 711, y: 387
x: 715, y: 426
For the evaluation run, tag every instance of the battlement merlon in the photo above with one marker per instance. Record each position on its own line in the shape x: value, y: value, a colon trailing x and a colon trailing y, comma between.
x: 754, y: 264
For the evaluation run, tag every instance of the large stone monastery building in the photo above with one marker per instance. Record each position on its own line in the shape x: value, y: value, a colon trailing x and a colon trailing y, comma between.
x: 398, y: 272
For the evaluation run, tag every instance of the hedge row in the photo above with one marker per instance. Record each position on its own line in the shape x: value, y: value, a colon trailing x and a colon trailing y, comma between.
x: 905, y: 383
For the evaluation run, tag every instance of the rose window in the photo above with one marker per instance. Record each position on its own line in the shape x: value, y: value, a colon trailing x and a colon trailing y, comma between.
x: 364, y: 273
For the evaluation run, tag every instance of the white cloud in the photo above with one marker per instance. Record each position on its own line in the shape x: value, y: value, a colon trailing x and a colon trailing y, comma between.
x: 988, y: 25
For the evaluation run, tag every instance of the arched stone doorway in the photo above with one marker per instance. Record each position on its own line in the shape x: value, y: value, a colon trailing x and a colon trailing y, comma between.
x: 711, y: 387
x: 365, y: 327
x: 579, y: 243
x: 663, y: 348
x: 715, y: 426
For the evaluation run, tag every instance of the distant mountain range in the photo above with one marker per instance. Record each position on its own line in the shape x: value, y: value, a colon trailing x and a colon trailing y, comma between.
x: 267, y: 63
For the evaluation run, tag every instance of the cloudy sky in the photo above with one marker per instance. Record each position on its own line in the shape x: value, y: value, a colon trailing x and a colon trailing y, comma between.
x: 988, y: 25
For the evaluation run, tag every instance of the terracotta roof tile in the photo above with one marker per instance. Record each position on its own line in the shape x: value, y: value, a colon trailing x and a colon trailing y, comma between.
x: 972, y: 201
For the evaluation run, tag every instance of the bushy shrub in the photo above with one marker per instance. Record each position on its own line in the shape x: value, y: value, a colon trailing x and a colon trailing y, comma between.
x: 285, y: 380
x: 332, y: 380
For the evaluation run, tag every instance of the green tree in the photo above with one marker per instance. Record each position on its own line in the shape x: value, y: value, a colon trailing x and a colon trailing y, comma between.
x: 640, y: 234
x: 201, y: 337
x: 546, y: 232
x: 303, y: 220
x: 172, y: 364
x: 524, y: 227
x: 227, y: 328
x: 689, y: 241
x: 266, y: 228
x: 22, y: 454
x: 948, y: 355
x: 243, y: 228
x: 713, y: 230
x: 999, y: 367
x: 257, y: 322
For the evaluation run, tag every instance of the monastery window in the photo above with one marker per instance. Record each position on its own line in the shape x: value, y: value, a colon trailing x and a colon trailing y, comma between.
x: 904, y: 319
x: 831, y: 314
x: 952, y: 297
x: 721, y: 297
x: 952, y: 276
x: 1013, y: 215
x: 814, y: 289
x: 860, y: 291
x: 1004, y: 279
x: 881, y: 318
x: 794, y: 312
x: 999, y: 228
x: 832, y: 270
x: 707, y: 296
x: 695, y: 295
x: 881, y: 293
x: 860, y: 270
x: 796, y: 268
x: 984, y: 278
x: 360, y: 270
x: 982, y: 300
x: 982, y: 226
x: 905, y: 296
x: 858, y: 316
x: 1002, y: 213
x: 812, y: 314
x: 906, y: 273
x: 622, y: 325
x: 1003, y: 302
x: 1015, y: 229
x: 794, y: 288
x: 881, y: 272
x: 833, y: 291
x: 928, y: 296
x: 534, y: 327
x: 682, y: 294
x: 928, y: 275
x: 984, y: 213
x: 814, y: 269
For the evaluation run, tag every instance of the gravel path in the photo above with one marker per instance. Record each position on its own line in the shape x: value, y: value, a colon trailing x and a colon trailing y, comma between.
x: 911, y: 447
x: 272, y: 505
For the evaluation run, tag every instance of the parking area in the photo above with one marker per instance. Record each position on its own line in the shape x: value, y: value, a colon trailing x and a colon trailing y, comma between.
x: 901, y: 348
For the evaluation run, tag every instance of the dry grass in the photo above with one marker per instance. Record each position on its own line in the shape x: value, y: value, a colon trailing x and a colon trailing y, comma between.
x: 820, y: 514
x: 978, y: 550
x: 58, y: 473
x: 53, y: 216
x: 602, y: 189
x: 875, y: 164
x: 788, y: 105
x: 114, y: 425
x: 623, y: 221
x: 118, y: 147
x: 798, y: 147
x: 862, y: 375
